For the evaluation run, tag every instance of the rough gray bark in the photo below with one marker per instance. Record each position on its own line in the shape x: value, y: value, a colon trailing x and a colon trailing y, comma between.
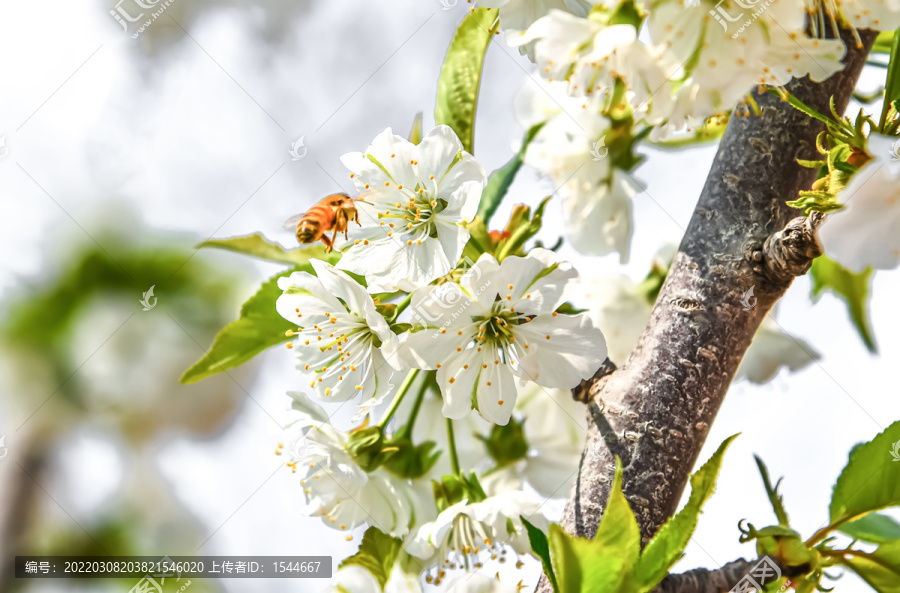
x: 656, y: 410
x: 702, y: 580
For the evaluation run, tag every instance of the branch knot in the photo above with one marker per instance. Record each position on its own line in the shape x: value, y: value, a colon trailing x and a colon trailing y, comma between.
x: 791, y: 251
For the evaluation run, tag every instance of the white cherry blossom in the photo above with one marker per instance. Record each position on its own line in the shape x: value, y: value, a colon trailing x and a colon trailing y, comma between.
x: 571, y: 150
x: 724, y: 57
x: 336, y: 488
x: 592, y: 56
x: 465, y: 535
x: 866, y: 232
x: 414, y: 199
x: 881, y: 15
x: 342, y: 343
x: 503, y: 326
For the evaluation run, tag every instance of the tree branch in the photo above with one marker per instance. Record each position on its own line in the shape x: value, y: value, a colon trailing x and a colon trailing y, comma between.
x: 742, y: 235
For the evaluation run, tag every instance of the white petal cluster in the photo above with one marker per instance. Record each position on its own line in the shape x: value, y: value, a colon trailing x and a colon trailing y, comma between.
x: 466, y: 535
x: 744, y: 44
x: 591, y: 57
x: 881, y: 15
x: 866, y: 232
x: 414, y: 201
x: 571, y: 150
x: 501, y: 326
x: 336, y: 489
x: 343, y: 344
x: 701, y: 57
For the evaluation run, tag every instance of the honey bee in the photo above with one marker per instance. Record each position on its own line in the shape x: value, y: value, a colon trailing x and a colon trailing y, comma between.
x: 332, y: 213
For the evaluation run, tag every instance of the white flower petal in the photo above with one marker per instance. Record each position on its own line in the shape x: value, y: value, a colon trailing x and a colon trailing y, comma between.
x: 574, y: 351
x: 458, y: 376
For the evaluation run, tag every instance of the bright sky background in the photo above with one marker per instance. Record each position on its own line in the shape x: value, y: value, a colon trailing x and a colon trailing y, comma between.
x: 195, y: 131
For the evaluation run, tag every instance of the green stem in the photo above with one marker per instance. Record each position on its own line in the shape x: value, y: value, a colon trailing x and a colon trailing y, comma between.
x: 451, y: 444
x: 822, y: 533
x: 401, y: 393
x: 406, y: 431
x: 401, y: 306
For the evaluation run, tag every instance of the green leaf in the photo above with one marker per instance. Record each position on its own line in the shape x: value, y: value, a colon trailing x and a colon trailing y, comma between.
x: 581, y: 567
x: 851, y: 287
x: 500, y: 180
x: 604, y: 563
x: 667, y: 546
x: 871, y: 479
x: 819, y: 201
x: 774, y: 498
x: 541, y: 548
x: 259, y: 327
x: 801, y: 106
x: 457, y: 96
x: 892, y: 84
x: 377, y: 554
x: 874, y: 528
x: 256, y: 245
x: 883, y: 42
x: 880, y: 569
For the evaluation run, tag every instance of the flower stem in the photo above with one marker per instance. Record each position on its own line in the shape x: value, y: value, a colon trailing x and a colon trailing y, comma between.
x: 451, y: 444
x: 401, y: 306
x: 406, y: 431
x: 401, y: 393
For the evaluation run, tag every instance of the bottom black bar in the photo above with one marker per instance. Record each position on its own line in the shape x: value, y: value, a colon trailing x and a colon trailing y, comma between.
x: 155, y: 571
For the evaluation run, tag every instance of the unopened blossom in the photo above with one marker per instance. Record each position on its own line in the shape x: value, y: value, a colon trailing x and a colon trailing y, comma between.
x: 502, y: 326
x: 336, y: 488
x: 866, y: 232
x: 413, y: 202
x: 342, y: 343
x: 592, y: 56
x: 466, y: 535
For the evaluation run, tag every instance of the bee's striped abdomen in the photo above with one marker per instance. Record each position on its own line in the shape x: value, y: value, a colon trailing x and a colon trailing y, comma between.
x: 316, y: 221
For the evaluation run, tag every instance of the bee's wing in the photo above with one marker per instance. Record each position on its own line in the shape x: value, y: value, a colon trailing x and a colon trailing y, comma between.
x: 291, y: 223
